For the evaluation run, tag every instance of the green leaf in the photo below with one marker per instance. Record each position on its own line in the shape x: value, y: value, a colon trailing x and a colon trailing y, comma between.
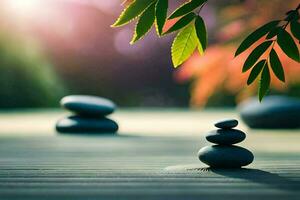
x: 295, y: 29
x: 288, y: 45
x: 182, y: 22
x: 274, y: 32
x: 276, y: 65
x: 201, y: 32
x: 255, y: 36
x: 187, y: 8
x: 256, y: 71
x: 161, y: 10
x: 255, y: 55
x: 291, y: 15
x: 265, y: 82
x: 184, y: 45
x: 144, y: 24
x: 200, y: 48
x: 132, y: 11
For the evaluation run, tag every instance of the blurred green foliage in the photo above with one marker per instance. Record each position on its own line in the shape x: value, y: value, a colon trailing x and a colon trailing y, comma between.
x: 26, y: 78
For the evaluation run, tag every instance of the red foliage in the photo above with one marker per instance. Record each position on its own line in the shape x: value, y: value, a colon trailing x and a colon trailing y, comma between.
x: 218, y: 70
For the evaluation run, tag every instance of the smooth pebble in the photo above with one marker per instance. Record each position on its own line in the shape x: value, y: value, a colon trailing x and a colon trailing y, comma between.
x: 225, y: 136
x: 88, y: 105
x: 227, y: 124
x: 274, y: 112
x: 219, y: 156
x: 77, y: 124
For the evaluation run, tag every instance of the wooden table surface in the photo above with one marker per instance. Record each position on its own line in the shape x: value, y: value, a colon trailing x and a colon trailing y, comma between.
x: 153, y: 157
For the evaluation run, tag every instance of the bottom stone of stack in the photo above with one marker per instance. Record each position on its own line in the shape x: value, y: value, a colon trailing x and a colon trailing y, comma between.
x: 78, y: 124
x: 225, y: 156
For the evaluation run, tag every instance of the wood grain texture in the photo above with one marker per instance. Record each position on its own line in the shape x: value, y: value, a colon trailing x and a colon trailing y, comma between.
x: 132, y: 165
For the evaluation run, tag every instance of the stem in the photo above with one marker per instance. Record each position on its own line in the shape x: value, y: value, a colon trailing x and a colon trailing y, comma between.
x: 285, y: 25
x: 198, y: 13
x: 275, y: 41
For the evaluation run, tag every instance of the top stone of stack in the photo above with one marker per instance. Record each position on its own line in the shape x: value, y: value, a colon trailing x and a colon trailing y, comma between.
x: 227, y: 124
x: 90, y: 106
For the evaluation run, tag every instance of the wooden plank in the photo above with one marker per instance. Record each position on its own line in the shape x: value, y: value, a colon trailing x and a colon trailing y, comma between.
x: 132, y: 166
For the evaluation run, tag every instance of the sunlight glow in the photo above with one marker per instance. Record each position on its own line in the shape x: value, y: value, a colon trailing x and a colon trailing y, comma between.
x: 24, y: 7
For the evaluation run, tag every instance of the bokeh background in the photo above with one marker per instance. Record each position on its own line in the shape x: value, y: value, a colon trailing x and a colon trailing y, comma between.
x: 53, y: 48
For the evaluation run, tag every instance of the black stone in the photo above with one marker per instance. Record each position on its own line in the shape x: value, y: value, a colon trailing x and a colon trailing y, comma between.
x: 88, y: 105
x: 225, y: 136
x: 219, y: 156
x: 274, y: 112
x: 227, y: 124
x: 77, y: 124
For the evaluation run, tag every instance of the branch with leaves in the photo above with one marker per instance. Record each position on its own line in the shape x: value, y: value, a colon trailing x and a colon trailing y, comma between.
x: 275, y: 32
x: 192, y: 35
x: 191, y: 27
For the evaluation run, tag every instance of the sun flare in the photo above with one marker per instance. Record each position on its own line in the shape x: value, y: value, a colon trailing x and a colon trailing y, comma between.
x: 24, y: 7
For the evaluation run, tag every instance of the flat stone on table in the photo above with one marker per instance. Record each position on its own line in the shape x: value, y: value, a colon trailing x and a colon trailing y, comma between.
x: 227, y: 124
x: 274, y: 112
x: 76, y: 124
x: 88, y: 105
x: 219, y: 156
x: 225, y: 136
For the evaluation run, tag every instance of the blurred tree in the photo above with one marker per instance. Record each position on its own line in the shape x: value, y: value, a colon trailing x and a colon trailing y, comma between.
x: 26, y: 78
x: 92, y: 58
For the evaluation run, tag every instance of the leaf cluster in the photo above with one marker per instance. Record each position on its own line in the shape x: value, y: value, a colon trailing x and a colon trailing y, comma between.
x: 190, y: 27
x: 264, y: 58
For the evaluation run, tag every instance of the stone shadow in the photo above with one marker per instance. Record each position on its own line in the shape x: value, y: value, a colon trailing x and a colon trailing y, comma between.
x: 259, y: 176
x: 97, y: 134
x: 252, y: 175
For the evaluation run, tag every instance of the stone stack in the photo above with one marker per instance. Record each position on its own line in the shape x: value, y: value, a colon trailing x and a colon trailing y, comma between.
x: 225, y: 154
x: 89, y: 115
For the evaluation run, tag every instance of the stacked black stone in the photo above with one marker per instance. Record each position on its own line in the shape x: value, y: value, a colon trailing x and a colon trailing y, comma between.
x: 224, y: 154
x: 90, y: 115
